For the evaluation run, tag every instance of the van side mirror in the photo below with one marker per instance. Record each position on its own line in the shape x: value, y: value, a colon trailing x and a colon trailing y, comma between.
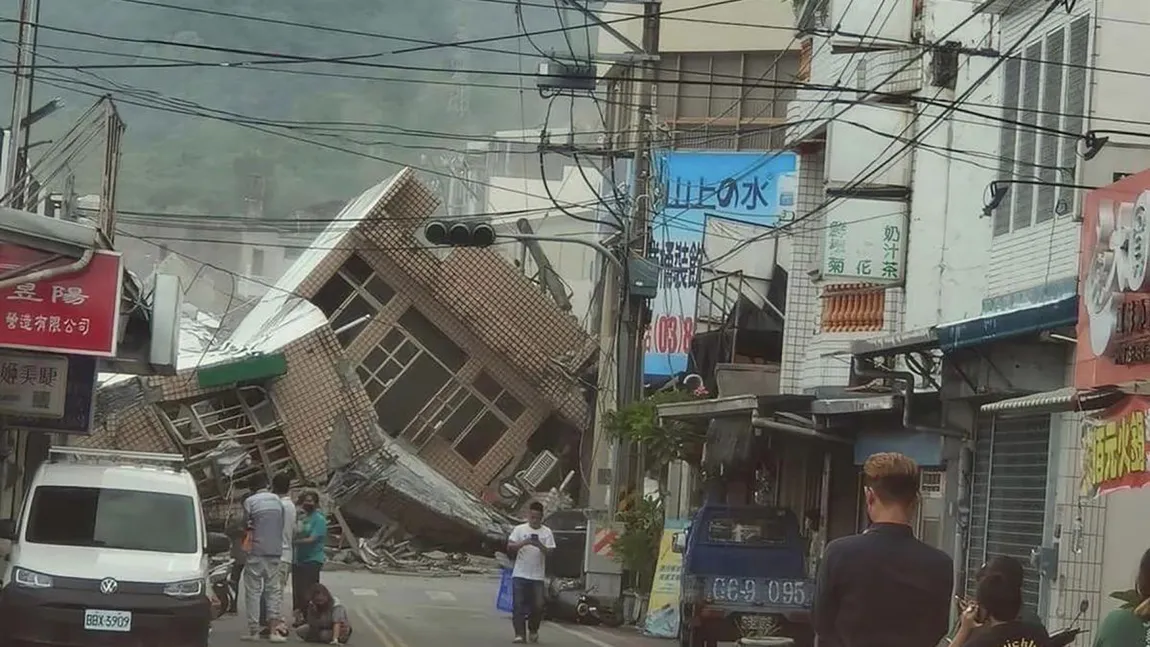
x: 218, y: 543
x: 678, y: 542
x: 8, y: 529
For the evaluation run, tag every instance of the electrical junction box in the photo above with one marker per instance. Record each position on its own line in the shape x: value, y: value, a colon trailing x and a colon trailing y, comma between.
x: 643, y: 278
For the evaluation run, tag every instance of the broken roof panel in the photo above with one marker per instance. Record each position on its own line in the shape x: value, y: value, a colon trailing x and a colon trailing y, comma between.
x: 282, y: 315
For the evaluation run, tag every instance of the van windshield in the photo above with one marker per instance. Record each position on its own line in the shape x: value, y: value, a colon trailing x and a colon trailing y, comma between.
x: 109, y: 518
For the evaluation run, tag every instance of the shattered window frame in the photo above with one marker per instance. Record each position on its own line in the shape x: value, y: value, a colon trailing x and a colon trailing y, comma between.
x: 369, y: 376
x: 367, y: 285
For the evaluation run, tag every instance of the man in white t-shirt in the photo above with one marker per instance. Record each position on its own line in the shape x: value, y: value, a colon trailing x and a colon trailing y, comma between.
x: 530, y: 543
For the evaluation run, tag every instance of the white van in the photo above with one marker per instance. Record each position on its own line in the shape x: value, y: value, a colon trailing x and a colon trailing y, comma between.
x: 110, y: 548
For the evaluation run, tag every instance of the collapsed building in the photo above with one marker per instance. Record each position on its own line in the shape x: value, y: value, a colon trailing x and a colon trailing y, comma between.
x: 415, y: 383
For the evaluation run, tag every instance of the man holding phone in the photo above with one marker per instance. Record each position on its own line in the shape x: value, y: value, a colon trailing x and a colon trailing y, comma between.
x: 530, y: 543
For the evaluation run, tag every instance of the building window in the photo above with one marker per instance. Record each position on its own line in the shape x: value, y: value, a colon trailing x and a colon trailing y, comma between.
x: 354, y: 292
x: 465, y: 417
x: 705, y: 110
x: 407, y: 373
x: 433, y: 339
x: 482, y: 436
x: 1044, y: 92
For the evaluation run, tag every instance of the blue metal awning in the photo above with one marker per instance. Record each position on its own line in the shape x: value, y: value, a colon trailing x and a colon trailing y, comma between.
x: 1004, y: 325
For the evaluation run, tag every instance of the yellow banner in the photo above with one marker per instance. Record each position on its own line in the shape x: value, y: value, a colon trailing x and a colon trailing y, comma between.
x: 1117, y: 448
x: 663, y: 603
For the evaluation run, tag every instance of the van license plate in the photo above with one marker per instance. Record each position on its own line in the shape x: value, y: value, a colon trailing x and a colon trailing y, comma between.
x: 101, y: 620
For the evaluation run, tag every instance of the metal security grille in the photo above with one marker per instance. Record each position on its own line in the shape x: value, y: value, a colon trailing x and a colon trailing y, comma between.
x: 1008, y: 496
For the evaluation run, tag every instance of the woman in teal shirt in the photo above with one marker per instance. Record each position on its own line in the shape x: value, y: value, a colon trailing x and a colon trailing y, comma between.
x: 309, y: 551
x: 1129, y: 627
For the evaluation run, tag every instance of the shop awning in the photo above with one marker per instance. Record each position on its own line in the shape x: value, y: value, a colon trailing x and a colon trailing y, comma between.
x: 1057, y: 401
x: 861, y: 403
x: 899, y: 342
x: 1005, y: 325
x: 248, y: 369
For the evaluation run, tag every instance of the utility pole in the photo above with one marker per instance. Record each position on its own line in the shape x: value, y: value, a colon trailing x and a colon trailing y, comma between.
x: 623, y: 309
x: 21, y: 102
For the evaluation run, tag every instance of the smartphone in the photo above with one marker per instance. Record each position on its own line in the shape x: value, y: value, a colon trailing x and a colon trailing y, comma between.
x: 534, y: 537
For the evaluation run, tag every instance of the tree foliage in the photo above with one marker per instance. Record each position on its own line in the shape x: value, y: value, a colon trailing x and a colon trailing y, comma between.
x: 662, y: 443
x: 637, y: 548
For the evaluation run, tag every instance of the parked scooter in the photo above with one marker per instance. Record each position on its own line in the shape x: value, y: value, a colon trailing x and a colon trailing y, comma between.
x: 1064, y: 637
x: 225, y: 590
x: 566, y: 599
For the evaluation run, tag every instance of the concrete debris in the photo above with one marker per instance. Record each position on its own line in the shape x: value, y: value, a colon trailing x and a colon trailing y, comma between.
x: 380, y: 554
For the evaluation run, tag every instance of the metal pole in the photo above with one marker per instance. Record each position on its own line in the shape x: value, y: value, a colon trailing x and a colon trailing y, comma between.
x: 630, y: 348
x: 21, y: 98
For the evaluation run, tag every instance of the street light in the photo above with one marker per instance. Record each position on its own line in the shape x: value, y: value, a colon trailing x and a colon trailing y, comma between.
x: 999, y: 189
x: 42, y: 112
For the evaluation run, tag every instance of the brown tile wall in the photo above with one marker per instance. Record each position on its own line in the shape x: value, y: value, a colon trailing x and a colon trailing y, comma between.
x: 507, y: 327
x: 304, y: 400
x: 504, y: 324
x: 135, y: 428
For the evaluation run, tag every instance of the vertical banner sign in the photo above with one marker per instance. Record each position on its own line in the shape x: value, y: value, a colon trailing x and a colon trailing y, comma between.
x: 753, y: 188
x: 663, y: 603
x: 1116, y: 448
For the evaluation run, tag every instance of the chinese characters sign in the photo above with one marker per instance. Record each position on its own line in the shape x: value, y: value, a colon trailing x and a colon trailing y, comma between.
x: 33, y: 384
x: 1116, y: 447
x: 865, y: 239
x: 663, y: 616
x: 753, y: 188
x: 1114, y: 286
x: 75, y: 313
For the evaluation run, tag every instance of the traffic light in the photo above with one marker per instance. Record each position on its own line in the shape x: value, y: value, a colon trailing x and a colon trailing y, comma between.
x: 459, y: 234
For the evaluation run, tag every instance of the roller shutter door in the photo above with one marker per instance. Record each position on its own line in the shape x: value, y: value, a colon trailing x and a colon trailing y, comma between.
x: 1008, y: 495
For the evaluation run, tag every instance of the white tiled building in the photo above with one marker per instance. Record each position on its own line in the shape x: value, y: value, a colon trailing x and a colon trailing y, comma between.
x: 990, y: 296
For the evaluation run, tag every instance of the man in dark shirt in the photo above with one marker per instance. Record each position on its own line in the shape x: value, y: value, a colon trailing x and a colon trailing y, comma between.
x: 884, y: 588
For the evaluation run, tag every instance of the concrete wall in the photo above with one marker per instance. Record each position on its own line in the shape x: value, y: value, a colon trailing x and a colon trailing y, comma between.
x: 741, y: 26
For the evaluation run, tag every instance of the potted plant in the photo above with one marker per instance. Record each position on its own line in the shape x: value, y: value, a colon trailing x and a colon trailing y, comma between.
x: 637, y: 549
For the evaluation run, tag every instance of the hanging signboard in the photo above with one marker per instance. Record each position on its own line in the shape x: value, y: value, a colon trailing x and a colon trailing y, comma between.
x: 750, y: 188
x: 1116, y: 446
x: 33, y: 384
x: 74, y: 314
x: 1114, y: 286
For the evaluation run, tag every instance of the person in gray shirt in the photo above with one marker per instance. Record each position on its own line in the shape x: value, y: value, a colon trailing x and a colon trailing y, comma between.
x: 264, y: 518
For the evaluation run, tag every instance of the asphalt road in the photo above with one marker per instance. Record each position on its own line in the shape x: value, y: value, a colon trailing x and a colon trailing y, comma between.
x: 400, y: 611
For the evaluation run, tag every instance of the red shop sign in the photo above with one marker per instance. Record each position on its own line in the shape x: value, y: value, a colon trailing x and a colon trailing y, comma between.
x: 75, y: 313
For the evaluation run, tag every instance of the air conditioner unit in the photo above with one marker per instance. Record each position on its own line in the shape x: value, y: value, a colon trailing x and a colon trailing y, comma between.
x: 538, y: 470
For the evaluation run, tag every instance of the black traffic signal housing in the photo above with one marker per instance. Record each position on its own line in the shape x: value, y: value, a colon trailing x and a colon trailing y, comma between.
x: 459, y: 234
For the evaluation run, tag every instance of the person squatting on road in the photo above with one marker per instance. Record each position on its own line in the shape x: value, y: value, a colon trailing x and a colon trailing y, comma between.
x: 325, y: 618
x: 530, y: 543
x: 309, y: 553
x: 264, y: 518
x: 281, y: 486
x: 1129, y: 627
x: 884, y: 588
x: 993, y: 619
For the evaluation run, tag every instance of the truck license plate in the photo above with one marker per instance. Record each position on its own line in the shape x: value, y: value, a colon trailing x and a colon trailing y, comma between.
x: 762, y: 591
x: 102, y: 620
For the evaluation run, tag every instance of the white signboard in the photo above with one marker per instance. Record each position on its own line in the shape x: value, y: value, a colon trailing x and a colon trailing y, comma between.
x: 33, y: 385
x: 865, y: 239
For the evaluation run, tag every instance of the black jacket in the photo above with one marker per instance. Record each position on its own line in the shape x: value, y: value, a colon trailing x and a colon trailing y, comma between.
x: 883, y: 588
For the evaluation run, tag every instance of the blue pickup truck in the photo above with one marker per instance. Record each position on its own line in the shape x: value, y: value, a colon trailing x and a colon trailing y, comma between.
x: 744, y: 575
